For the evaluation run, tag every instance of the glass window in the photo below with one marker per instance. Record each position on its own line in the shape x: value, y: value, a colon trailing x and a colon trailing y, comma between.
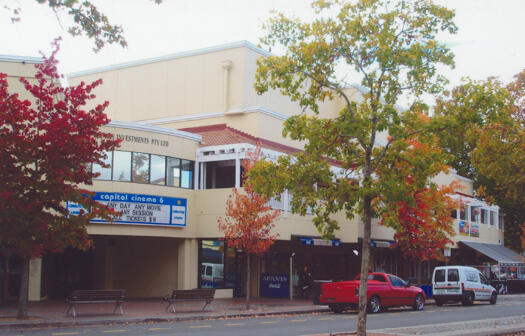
x: 121, y: 166
x: 439, y: 276
x: 105, y: 173
x: 474, y: 214
x: 186, y: 174
x: 158, y: 170
x: 173, y: 172
x: 492, y: 218
x: 484, y: 217
x: 140, y: 168
x: 395, y: 281
x: 453, y: 274
x: 212, y: 264
x: 454, y: 214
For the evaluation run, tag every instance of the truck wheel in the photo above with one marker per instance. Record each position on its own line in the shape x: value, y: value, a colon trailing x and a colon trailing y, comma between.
x: 419, y: 302
x: 374, y: 304
x: 336, y: 308
x: 469, y: 299
x: 493, y: 298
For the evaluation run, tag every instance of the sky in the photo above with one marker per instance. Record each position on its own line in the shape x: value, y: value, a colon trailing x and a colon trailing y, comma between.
x: 489, y: 41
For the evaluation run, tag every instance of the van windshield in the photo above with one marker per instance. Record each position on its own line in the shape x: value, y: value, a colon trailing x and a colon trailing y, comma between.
x: 439, y: 276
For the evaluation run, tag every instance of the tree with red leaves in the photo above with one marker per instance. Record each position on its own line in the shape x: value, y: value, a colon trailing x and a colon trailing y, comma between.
x: 248, y: 220
x: 48, y: 146
x: 420, y: 211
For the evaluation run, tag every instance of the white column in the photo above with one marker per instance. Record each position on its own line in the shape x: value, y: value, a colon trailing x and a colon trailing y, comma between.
x: 237, y: 172
x: 35, y: 276
x: 226, y: 65
x: 196, y: 185
x: 188, y: 258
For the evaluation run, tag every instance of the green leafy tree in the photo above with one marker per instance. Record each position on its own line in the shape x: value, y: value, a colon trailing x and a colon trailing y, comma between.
x: 87, y: 20
x: 485, y: 142
x: 48, y: 146
x: 392, y: 46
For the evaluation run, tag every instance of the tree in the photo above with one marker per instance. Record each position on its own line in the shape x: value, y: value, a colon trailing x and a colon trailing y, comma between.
x: 48, y: 146
x: 486, y: 143
x: 248, y: 220
x: 421, y: 216
x: 87, y: 20
x: 392, y: 46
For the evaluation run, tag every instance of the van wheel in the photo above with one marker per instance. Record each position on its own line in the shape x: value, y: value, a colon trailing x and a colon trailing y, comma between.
x: 419, y: 302
x: 493, y: 298
x: 336, y: 308
x: 374, y: 304
x: 468, y: 300
x: 439, y: 302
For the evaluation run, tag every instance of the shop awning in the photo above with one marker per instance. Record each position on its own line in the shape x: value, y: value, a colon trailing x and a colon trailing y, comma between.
x: 498, y: 253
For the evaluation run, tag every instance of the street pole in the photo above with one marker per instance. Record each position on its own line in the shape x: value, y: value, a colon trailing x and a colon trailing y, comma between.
x: 291, y: 276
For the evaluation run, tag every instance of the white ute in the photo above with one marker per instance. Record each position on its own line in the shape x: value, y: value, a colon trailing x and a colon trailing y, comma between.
x: 461, y: 284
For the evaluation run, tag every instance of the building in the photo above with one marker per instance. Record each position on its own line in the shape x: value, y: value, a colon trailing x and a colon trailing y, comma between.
x: 186, y: 121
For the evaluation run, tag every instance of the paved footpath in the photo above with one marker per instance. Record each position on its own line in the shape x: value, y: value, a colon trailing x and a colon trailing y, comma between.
x: 52, y: 314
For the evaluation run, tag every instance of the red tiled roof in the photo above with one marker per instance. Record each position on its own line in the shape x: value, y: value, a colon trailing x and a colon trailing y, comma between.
x: 221, y: 134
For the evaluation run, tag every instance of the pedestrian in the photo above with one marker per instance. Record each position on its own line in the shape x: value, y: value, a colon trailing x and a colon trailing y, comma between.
x: 305, y: 281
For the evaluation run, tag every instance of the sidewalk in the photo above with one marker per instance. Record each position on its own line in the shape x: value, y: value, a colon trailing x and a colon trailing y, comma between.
x: 52, y: 313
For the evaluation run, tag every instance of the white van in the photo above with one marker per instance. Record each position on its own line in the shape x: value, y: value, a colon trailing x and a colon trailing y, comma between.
x: 213, y: 273
x: 461, y: 284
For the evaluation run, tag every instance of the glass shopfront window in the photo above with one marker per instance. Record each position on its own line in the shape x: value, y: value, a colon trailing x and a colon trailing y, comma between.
x: 105, y: 173
x: 140, y: 168
x: 122, y: 166
x: 212, y: 264
x: 173, y: 172
x: 158, y: 169
x: 186, y: 174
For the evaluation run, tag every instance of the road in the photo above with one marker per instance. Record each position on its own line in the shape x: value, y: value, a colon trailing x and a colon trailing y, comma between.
x: 308, y: 324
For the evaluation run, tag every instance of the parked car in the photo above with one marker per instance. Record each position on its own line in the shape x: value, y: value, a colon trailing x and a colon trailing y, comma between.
x: 461, y: 284
x: 383, y: 291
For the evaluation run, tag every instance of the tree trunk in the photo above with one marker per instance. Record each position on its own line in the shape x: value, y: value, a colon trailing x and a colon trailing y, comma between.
x: 418, y: 273
x: 5, y: 279
x: 248, y: 272
x: 365, y: 260
x: 24, y: 285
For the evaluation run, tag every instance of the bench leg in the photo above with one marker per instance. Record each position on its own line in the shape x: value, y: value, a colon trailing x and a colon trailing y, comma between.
x: 71, y: 309
x: 119, y: 306
x: 207, y: 303
x: 172, y: 306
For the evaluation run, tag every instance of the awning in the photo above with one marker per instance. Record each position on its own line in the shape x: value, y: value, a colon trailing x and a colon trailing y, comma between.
x: 496, y: 252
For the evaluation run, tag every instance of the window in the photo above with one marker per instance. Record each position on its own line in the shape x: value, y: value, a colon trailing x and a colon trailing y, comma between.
x: 395, y: 281
x: 140, y: 168
x: 483, y: 279
x: 473, y: 277
x: 186, y: 177
x: 475, y: 214
x: 158, y: 170
x: 453, y: 274
x: 121, y: 166
x: 492, y: 218
x: 454, y: 214
x: 105, y: 173
x: 484, y: 216
x: 212, y: 264
x: 173, y: 172
x: 439, y: 276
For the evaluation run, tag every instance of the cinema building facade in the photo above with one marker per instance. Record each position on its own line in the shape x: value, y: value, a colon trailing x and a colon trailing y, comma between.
x: 186, y: 122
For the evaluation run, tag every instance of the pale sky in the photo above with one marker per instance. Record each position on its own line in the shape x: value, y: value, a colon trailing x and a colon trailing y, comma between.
x: 490, y: 39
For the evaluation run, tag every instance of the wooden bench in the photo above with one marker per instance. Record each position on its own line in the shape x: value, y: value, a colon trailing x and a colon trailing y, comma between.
x: 182, y: 295
x: 82, y: 296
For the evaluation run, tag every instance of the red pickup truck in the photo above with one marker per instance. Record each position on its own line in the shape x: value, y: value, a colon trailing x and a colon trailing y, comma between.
x: 383, y: 290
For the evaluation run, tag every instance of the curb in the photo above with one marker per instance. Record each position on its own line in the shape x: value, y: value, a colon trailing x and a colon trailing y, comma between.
x: 156, y: 319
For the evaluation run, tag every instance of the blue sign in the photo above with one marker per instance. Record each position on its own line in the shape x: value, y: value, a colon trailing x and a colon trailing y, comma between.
x: 320, y: 242
x: 140, y: 209
x: 275, y: 285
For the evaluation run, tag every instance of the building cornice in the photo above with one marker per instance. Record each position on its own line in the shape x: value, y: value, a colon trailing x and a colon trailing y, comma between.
x: 155, y: 129
x: 251, y: 109
x: 173, y: 56
x: 21, y: 59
